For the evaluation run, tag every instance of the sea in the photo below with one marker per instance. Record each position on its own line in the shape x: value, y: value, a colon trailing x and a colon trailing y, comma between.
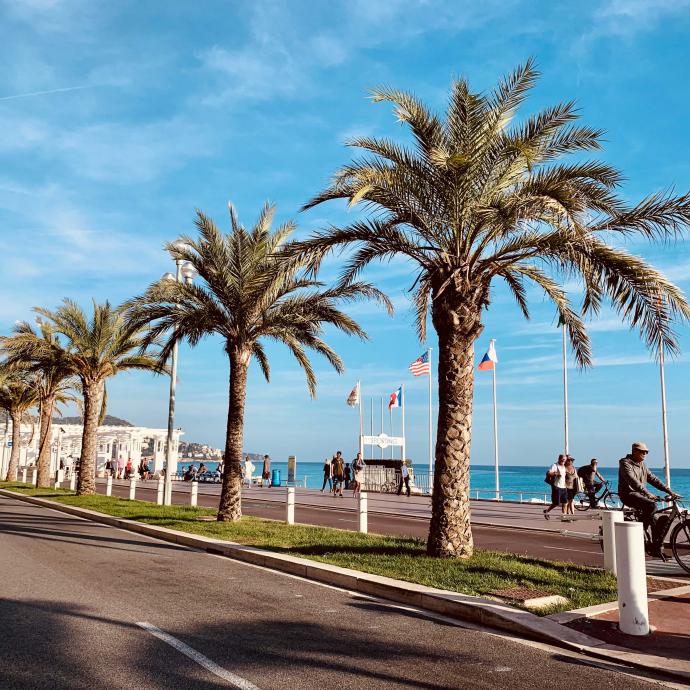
x: 527, y: 480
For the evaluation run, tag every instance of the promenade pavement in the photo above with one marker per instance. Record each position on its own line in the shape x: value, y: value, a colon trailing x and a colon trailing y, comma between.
x: 86, y: 605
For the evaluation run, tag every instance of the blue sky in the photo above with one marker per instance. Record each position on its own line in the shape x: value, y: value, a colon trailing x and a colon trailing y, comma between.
x: 117, y: 120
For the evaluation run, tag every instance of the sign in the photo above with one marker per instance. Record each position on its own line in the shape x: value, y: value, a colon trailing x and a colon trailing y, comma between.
x: 383, y: 440
x: 9, y: 444
x: 292, y: 469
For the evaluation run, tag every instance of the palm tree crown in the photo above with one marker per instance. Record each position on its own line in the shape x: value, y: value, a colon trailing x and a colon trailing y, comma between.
x: 249, y: 293
x: 478, y: 197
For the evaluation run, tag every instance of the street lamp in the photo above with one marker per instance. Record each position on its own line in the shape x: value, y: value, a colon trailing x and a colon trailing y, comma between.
x: 186, y: 269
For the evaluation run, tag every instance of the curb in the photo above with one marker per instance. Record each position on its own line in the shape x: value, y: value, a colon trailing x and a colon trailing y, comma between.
x: 452, y: 604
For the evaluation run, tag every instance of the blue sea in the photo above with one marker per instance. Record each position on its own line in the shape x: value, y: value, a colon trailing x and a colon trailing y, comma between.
x: 513, y: 478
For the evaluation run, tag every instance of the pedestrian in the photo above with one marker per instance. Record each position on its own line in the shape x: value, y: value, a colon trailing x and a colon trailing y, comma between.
x: 347, y: 475
x: 266, y: 473
x: 120, y: 467
x: 108, y: 467
x: 589, y: 474
x: 338, y: 474
x: 189, y: 474
x: 248, y: 470
x: 358, y: 472
x: 571, y: 484
x: 555, y: 476
x: 202, y: 468
x: 62, y: 464
x: 327, y: 475
x: 129, y: 469
x: 143, y: 470
x: 404, y: 479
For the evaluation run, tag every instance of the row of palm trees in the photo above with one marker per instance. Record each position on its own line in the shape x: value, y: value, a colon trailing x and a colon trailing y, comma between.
x: 477, y: 197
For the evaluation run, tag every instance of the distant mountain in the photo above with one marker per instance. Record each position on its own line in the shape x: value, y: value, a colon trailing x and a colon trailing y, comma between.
x: 108, y: 421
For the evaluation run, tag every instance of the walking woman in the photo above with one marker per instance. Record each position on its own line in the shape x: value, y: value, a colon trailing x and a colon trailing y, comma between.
x: 556, y: 477
x: 571, y: 485
x: 358, y: 471
x: 327, y: 475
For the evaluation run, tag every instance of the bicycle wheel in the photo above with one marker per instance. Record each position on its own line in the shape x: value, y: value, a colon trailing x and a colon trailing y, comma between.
x: 680, y: 544
x: 581, y: 502
x: 611, y: 501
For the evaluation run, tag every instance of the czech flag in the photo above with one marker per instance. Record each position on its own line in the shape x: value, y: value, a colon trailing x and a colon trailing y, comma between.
x: 396, y: 399
x: 490, y: 360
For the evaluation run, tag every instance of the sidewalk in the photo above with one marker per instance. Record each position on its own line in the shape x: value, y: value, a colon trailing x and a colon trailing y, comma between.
x: 589, y: 631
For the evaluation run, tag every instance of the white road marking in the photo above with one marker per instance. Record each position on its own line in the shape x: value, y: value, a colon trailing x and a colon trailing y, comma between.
x: 232, y: 678
x: 560, y: 548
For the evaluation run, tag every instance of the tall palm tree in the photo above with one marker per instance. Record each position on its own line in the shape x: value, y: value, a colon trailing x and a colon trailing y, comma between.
x: 249, y: 294
x: 18, y: 393
x: 41, y: 352
x: 96, y: 347
x: 479, y: 197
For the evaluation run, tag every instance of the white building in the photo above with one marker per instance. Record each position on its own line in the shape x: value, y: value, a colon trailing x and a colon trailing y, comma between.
x: 113, y: 442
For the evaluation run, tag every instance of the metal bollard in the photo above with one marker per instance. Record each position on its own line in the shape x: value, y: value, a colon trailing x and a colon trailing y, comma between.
x: 34, y: 476
x: 193, y: 494
x: 73, y: 481
x: 363, y: 526
x: 109, y: 485
x: 608, y: 519
x: 633, y: 611
x: 132, y: 488
x: 290, y: 517
x: 24, y: 476
x: 159, y: 494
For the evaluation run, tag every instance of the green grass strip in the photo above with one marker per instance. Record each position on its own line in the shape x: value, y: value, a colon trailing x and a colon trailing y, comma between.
x: 397, y: 557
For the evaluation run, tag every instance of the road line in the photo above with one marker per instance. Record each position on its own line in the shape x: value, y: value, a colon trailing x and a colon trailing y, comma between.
x: 212, y: 666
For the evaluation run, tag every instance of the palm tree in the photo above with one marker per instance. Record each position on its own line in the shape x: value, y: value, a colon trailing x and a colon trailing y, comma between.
x: 42, y: 353
x: 96, y: 348
x: 479, y: 197
x: 249, y: 294
x: 18, y: 393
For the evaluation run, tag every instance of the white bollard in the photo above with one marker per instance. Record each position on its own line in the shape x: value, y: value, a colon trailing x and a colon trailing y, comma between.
x: 363, y: 527
x: 194, y: 494
x: 132, y: 488
x: 608, y: 519
x: 161, y: 489
x: 24, y: 476
x: 633, y: 611
x: 290, y: 517
x: 73, y: 481
x: 109, y: 485
x: 34, y: 476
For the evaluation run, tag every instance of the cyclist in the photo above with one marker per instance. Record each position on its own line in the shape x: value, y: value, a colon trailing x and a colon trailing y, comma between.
x: 589, y: 474
x: 633, y: 477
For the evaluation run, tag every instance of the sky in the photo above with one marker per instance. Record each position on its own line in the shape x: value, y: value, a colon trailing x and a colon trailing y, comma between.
x: 118, y: 120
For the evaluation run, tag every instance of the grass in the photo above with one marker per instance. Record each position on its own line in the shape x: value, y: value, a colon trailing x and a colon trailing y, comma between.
x: 398, y: 557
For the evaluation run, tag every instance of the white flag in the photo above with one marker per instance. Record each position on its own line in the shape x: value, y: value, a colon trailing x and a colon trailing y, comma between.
x: 353, y: 398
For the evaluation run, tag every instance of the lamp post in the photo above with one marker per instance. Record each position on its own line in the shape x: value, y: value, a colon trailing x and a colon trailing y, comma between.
x: 183, y: 268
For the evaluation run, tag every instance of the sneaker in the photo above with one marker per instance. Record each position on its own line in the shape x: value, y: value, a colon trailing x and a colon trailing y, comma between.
x: 546, y: 514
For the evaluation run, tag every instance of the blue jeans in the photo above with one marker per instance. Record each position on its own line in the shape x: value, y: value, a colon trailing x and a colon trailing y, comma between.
x: 326, y: 478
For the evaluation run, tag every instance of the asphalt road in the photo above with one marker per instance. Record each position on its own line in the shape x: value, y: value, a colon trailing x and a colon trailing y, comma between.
x: 75, y: 596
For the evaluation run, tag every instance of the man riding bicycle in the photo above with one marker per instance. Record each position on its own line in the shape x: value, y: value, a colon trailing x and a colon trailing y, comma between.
x: 589, y: 474
x: 633, y: 477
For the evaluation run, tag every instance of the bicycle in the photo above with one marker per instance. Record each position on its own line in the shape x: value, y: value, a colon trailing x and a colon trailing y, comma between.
x: 679, y: 539
x: 607, y: 499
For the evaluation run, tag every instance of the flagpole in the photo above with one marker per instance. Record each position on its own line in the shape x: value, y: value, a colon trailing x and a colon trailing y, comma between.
x: 667, y: 466
x: 565, y: 389
x: 495, y: 433
x: 381, y: 424
x: 431, y: 456
x: 402, y: 405
x: 390, y: 424
x: 371, y: 423
x: 361, y: 421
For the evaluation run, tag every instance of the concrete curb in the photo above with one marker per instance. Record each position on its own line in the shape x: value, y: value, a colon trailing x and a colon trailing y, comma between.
x: 452, y: 604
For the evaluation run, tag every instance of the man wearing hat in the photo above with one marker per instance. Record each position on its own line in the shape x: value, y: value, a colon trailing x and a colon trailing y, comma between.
x: 633, y: 477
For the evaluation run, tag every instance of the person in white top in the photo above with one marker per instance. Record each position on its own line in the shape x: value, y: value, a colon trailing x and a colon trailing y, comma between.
x: 556, y: 477
x: 248, y: 470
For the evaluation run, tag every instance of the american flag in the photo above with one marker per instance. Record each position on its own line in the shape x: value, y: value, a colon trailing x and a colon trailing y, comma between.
x: 420, y: 366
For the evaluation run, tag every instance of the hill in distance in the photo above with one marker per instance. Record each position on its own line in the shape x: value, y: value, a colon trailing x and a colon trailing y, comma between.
x: 108, y: 421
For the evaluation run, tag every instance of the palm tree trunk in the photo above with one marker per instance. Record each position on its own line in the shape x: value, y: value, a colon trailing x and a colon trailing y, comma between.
x: 450, y: 534
x: 43, y: 462
x: 16, y: 446
x: 93, y: 400
x: 230, y: 506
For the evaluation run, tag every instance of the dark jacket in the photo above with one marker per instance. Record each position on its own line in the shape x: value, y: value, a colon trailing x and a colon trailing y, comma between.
x: 633, y: 477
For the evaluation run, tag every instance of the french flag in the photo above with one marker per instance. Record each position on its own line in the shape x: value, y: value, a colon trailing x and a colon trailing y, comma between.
x: 490, y: 360
x: 396, y: 399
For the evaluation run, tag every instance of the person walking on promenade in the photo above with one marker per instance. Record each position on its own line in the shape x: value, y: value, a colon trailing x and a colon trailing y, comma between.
x: 327, y: 475
x: 120, y: 467
x: 633, y: 477
x: 248, y: 470
x: 571, y: 484
x: 404, y: 479
x: 556, y: 477
x: 266, y: 473
x: 143, y: 470
x: 338, y: 474
x: 358, y: 474
x: 347, y: 475
x: 589, y: 474
x: 129, y: 469
x: 108, y: 467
